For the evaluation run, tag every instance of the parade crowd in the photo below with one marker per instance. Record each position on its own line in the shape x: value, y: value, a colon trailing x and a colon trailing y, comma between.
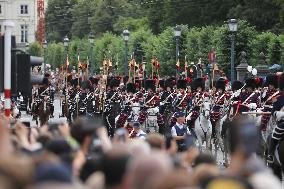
x: 129, y: 133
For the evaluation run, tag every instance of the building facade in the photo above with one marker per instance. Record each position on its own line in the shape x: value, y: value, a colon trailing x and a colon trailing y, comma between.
x: 24, y: 15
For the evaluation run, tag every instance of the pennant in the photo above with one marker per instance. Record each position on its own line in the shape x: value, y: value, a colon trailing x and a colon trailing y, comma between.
x: 79, y: 63
x: 178, y: 65
x: 87, y: 61
x: 216, y: 67
x: 67, y: 61
x: 110, y: 63
x: 157, y: 65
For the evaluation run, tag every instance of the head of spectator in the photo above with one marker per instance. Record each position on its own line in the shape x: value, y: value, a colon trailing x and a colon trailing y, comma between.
x: 204, y: 158
x: 171, y: 145
x: 156, y: 141
x: 145, y: 170
x: 114, y: 166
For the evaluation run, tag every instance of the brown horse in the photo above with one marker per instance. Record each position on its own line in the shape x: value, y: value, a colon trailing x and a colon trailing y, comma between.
x: 44, y: 112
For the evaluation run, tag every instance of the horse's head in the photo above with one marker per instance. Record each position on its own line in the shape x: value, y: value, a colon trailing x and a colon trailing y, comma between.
x: 205, y: 109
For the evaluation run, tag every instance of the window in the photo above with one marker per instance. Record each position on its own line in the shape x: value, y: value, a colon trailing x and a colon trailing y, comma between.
x: 24, y: 33
x: 24, y: 9
x: 0, y: 9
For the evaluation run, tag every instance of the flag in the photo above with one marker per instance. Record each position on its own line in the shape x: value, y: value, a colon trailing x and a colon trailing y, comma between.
x: 216, y: 67
x: 178, y: 64
x: 79, y: 63
x: 200, y: 63
x: 157, y: 65
x: 67, y: 61
x: 109, y: 63
x: 87, y: 61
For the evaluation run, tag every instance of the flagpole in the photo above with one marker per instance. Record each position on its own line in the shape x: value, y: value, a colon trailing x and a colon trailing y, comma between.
x: 87, y: 68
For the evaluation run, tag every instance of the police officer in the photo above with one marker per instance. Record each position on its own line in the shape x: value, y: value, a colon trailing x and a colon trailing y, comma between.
x: 179, y: 131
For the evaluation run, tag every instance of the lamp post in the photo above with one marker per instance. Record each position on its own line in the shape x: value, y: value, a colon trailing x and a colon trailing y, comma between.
x: 126, y: 34
x: 65, y: 43
x: 44, y: 44
x: 177, y: 34
x: 91, y: 40
x: 233, y: 26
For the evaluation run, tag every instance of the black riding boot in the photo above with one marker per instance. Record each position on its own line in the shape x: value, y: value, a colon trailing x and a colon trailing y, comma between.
x: 271, y: 150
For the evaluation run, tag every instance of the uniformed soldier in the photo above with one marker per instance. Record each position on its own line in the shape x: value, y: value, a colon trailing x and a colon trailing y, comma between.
x: 199, y: 94
x: 268, y: 96
x: 278, y: 112
x: 221, y: 98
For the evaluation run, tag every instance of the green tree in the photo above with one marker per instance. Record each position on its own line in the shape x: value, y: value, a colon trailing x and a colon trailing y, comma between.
x: 59, y: 19
x: 54, y: 55
x: 35, y: 49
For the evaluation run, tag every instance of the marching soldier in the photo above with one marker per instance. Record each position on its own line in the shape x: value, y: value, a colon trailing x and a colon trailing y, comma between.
x: 268, y: 96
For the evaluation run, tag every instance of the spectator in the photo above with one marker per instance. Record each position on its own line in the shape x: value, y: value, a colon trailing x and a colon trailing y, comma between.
x: 156, y: 141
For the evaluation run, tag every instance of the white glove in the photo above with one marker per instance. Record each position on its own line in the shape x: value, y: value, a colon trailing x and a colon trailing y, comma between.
x: 237, y: 93
x: 252, y: 106
x: 279, y: 115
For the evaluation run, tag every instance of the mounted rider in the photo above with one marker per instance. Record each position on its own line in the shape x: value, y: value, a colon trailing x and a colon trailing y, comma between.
x: 198, y: 96
x: 268, y: 97
x: 151, y: 99
x: 278, y: 112
x: 221, y: 98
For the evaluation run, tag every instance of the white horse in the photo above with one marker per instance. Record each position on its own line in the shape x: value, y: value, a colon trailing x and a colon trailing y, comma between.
x: 151, y: 124
x: 203, y: 126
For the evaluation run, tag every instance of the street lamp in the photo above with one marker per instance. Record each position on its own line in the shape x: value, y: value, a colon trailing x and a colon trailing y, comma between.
x: 177, y: 34
x: 126, y: 35
x: 44, y: 44
x: 91, y: 40
x: 65, y: 43
x: 233, y: 26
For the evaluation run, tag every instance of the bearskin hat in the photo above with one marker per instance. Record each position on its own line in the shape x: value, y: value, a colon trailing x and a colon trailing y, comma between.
x: 69, y: 78
x: 259, y: 82
x: 250, y: 83
x: 198, y: 82
x: 150, y: 84
x: 137, y: 84
x: 114, y: 82
x: 221, y: 84
x: 131, y: 87
x: 162, y: 83
x: 74, y: 82
x: 281, y: 82
x: 47, y: 75
x: 125, y: 79
x: 272, y: 79
x: 45, y: 81
x: 86, y: 84
x: 237, y: 85
x: 170, y: 82
x: 181, y: 84
x: 94, y: 80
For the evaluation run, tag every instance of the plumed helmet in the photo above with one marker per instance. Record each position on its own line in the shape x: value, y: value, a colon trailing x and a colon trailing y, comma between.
x: 198, y: 82
x: 250, y: 83
x: 150, y: 84
x: 272, y: 79
x: 181, y: 84
x: 237, y: 85
x: 221, y: 84
x: 281, y: 82
x: 131, y: 87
